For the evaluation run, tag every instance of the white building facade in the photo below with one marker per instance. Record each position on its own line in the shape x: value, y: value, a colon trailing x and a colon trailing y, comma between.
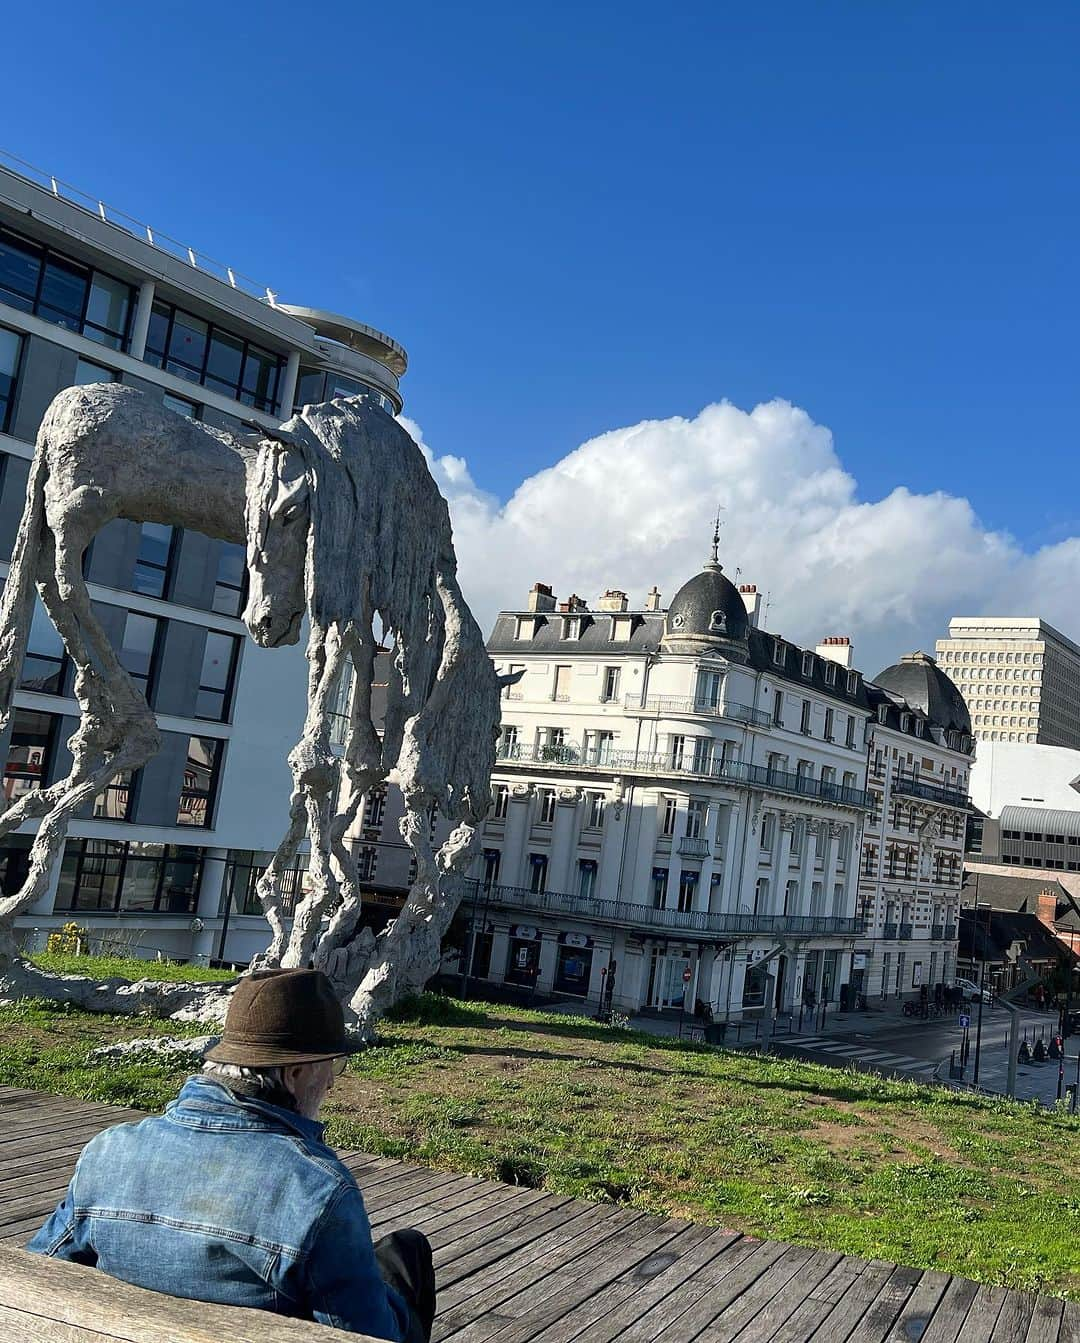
x: 920, y: 748
x: 678, y: 807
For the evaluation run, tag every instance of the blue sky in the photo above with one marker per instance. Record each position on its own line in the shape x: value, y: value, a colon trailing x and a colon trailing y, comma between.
x: 576, y: 217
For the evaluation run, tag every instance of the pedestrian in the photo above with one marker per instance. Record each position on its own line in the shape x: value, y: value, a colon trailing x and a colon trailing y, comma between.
x: 232, y: 1196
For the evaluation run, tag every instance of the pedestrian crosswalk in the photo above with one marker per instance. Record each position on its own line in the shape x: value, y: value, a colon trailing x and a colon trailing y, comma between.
x: 878, y: 1059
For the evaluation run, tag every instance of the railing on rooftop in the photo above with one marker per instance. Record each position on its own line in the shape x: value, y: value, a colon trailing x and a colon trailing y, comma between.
x: 931, y: 792
x: 627, y: 914
x: 676, y: 704
x: 721, y: 771
x: 108, y: 214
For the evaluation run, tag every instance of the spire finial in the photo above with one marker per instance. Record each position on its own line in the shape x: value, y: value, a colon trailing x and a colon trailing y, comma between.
x: 716, y: 535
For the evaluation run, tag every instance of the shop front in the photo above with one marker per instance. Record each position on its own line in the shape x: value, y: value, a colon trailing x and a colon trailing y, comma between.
x: 573, y: 964
x: 523, y: 957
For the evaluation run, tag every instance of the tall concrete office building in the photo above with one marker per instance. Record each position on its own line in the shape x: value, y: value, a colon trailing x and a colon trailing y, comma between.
x: 1019, y: 677
x: 89, y: 296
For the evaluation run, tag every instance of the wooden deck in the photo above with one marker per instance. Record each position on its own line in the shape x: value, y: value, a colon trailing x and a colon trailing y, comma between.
x: 516, y: 1264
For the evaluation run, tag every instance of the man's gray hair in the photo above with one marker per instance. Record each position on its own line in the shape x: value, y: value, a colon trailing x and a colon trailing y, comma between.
x: 259, y: 1079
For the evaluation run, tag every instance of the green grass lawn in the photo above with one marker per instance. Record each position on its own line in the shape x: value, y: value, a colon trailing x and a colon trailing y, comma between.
x: 128, y: 967
x: 818, y: 1156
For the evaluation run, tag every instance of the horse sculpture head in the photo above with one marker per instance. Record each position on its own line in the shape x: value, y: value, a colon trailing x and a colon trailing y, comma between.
x: 278, y: 517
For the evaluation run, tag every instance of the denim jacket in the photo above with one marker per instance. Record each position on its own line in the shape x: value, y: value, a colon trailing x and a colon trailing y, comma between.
x: 232, y: 1200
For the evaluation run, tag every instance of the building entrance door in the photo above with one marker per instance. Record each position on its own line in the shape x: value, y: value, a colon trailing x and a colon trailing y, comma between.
x: 669, y: 989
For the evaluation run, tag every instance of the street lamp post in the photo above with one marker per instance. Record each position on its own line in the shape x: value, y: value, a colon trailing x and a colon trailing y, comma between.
x: 982, y: 988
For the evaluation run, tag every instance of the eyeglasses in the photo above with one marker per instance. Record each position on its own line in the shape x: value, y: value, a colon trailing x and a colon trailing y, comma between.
x: 339, y: 1064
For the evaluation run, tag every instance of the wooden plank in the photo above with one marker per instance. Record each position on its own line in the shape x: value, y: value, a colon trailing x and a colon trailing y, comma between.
x: 917, y: 1312
x: 807, y: 1315
x: 18, y: 1327
x: 752, y: 1302
x: 476, y: 1251
x: 480, y: 1292
x: 982, y: 1315
x: 1045, y: 1323
x: 51, y: 1290
x: 1012, y: 1323
x: 887, y: 1305
x: 700, y: 1250
x: 730, y: 1287
x: 766, y: 1318
x: 578, y: 1283
x: 852, y: 1306
x: 1070, y: 1323
x: 952, y: 1310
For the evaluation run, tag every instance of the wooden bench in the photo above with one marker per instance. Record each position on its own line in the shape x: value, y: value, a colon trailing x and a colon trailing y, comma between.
x: 48, y: 1301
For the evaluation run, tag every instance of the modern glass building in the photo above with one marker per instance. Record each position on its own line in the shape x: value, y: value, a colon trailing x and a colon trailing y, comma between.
x: 165, y: 860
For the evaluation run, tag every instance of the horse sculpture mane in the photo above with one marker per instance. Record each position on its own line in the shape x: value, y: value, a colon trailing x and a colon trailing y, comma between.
x: 340, y: 496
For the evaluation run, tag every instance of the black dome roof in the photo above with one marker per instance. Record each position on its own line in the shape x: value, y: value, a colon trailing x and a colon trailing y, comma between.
x: 706, y: 610
x: 920, y: 681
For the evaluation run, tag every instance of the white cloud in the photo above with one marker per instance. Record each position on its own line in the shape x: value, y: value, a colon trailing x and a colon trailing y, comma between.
x: 634, y: 507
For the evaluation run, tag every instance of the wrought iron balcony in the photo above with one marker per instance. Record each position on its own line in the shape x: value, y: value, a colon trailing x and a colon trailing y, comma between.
x: 691, y: 847
x: 937, y: 932
x: 950, y: 932
x: 931, y: 792
x: 906, y: 931
x: 720, y: 771
x: 888, y: 932
x: 675, y: 704
x: 623, y: 913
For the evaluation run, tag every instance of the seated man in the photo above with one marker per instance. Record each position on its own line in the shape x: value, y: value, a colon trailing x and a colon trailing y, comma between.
x: 231, y: 1196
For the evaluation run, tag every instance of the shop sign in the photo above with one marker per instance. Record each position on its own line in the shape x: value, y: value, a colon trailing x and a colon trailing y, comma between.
x: 525, y: 933
x: 575, y: 939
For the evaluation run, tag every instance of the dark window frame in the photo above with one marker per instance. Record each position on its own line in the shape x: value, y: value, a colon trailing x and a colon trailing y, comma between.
x: 167, y: 570
x: 46, y: 255
x: 163, y: 358
x: 7, y: 404
x: 212, y: 792
x: 230, y: 680
x: 121, y: 855
x: 48, y: 762
x: 148, y: 683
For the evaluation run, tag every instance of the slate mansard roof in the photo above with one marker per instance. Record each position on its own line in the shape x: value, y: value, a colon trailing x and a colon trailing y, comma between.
x: 918, y: 680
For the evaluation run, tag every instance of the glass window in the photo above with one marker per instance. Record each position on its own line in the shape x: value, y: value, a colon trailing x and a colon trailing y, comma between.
x: 187, y: 345
x: 90, y: 875
x: 43, y: 666
x: 224, y: 362
x: 10, y: 350
x: 310, y: 388
x: 215, y: 679
x: 113, y: 803
x: 85, y: 372
x: 20, y: 268
x: 107, y: 311
x: 137, y: 648
x: 260, y: 379
x: 200, y: 782
x: 231, y: 578
x: 152, y: 561
x: 157, y: 335
x: 29, y: 753
x: 177, y: 404
x: 14, y: 863
x: 63, y: 294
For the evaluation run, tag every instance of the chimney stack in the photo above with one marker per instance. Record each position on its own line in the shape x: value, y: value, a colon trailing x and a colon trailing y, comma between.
x: 574, y: 603
x: 541, y: 598
x: 752, y: 601
x: 836, y: 648
x: 612, y: 600
x: 652, y: 599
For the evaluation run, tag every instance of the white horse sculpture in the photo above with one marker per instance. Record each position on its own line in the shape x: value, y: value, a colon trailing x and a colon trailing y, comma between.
x: 343, y: 523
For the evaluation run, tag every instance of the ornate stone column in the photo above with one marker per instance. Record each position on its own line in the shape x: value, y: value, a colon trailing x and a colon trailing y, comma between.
x: 511, y: 869
x: 564, y: 840
x: 809, y: 863
x: 731, y: 858
x: 786, y: 822
x: 832, y: 858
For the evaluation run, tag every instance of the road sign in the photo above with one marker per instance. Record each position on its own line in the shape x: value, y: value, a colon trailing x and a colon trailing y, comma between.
x: 965, y: 1021
x: 687, y: 976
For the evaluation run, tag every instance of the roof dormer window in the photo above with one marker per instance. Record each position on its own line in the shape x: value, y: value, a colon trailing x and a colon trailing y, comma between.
x: 808, y: 664
x: 778, y: 652
x: 571, y: 628
x: 918, y: 727
x: 830, y: 673
x: 853, y: 682
x: 883, y: 713
x: 905, y: 722
x: 525, y: 628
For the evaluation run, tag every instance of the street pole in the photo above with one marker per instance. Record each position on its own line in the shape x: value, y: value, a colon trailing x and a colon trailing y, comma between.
x: 982, y: 990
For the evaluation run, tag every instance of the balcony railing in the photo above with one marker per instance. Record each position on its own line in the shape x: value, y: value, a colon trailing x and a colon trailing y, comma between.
x: 950, y: 932
x: 675, y: 704
x: 931, y: 792
x: 888, y: 932
x: 937, y: 931
x: 626, y: 914
x: 690, y: 847
x: 722, y: 771
x: 905, y: 932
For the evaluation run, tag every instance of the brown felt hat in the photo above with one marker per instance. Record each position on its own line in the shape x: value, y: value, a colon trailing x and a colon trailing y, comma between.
x: 282, y: 1016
